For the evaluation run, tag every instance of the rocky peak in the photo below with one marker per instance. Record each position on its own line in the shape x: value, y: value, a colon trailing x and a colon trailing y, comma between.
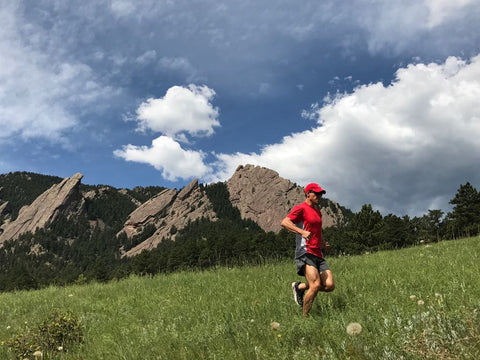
x: 263, y: 196
x: 169, y: 211
x: 46, y: 208
x: 148, y: 212
x: 187, y: 190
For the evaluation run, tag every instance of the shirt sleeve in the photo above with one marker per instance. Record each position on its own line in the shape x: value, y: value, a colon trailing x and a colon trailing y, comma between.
x: 296, y: 215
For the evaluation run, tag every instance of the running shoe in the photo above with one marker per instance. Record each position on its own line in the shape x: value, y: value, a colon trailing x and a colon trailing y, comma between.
x: 297, y: 294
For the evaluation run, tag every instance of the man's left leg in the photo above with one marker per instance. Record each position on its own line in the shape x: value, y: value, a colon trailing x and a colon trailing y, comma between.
x: 327, y: 282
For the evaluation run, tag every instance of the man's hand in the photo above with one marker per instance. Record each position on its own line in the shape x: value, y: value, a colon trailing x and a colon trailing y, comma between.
x: 307, y: 235
x: 326, y: 246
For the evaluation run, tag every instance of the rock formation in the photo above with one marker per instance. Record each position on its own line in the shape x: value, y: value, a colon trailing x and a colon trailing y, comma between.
x: 46, y: 208
x: 168, y: 211
x: 263, y: 196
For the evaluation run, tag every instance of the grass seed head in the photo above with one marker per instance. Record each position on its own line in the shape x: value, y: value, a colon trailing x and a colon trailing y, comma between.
x: 354, y: 328
x: 274, y: 325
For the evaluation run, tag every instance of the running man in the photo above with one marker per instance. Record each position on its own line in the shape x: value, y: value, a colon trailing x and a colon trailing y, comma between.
x: 305, y: 220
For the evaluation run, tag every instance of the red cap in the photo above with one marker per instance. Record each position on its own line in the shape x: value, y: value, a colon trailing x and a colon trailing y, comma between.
x: 315, y: 188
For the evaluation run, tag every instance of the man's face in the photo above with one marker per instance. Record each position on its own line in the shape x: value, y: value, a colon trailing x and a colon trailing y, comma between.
x: 314, y: 197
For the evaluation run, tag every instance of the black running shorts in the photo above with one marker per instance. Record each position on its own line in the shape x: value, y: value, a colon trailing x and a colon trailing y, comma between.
x: 310, y: 259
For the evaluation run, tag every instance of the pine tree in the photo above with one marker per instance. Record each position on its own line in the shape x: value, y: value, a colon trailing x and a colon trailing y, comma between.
x: 466, y: 212
x: 366, y: 228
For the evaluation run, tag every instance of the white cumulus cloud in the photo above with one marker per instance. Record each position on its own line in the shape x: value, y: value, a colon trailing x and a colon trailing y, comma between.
x: 403, y: 147
x: 181, y: 110
x: 169, y: 157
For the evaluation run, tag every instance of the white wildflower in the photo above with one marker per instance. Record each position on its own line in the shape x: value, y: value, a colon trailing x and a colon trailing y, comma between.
x: 354, y: 328
x: 274, y: 325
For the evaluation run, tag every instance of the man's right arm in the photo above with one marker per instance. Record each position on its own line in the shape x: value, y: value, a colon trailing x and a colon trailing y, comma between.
x: 289, y: 225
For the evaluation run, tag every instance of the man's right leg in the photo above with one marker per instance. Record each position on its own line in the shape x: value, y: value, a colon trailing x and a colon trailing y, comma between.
x: 313, y: 285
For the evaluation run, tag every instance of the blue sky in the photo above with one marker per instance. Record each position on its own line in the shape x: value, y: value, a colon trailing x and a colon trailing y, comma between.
x: 376, y: 101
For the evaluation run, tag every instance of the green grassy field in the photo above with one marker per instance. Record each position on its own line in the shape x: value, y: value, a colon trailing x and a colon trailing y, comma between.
x: 416, y: 303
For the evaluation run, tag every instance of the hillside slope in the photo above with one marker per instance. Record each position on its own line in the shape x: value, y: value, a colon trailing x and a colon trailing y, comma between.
x: 412, y: 314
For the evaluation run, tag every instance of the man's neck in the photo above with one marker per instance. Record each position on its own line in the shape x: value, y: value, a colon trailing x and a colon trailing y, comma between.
x: 310, y: 203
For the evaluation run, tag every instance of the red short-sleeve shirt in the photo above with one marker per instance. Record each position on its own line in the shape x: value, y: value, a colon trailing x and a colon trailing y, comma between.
x: 312, y: 221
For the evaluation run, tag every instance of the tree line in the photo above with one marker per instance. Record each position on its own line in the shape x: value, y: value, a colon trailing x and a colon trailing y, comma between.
x: 369, y: 231
x: 76, y: 250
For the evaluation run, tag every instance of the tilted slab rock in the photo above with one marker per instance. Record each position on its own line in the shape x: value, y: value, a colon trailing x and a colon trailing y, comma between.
x: 169, y: 212
x: 148, y: 211
x: 266, y: 198
x: 46, y: 208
